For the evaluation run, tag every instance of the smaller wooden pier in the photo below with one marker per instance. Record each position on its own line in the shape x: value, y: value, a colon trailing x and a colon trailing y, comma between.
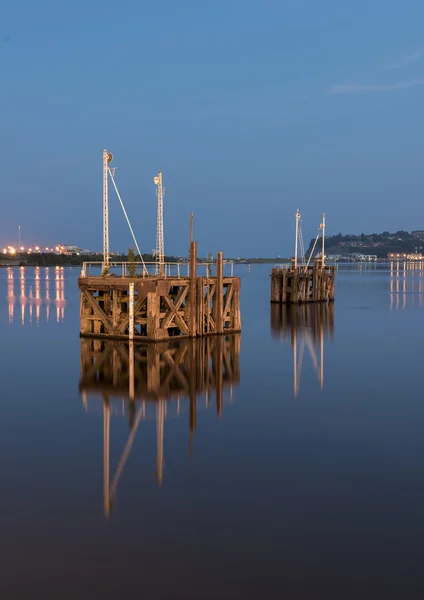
x: 159, y: 307
x: 298, y: 284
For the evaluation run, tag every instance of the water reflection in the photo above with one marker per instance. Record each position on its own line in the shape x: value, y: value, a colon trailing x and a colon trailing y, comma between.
x: 34, y: 292
x: 404, y: 289
x: 159, y: 381
x: 308, y: 326
x: 406, y: 266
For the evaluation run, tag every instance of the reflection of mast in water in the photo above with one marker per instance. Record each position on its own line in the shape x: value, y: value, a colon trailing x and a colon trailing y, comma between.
x: 308, y: 326
x: 11, y: 299
x: 159, y: 373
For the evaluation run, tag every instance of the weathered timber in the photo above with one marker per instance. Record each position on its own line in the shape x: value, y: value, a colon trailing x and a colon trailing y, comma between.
x: 163, y: 307
x: 296, y: 285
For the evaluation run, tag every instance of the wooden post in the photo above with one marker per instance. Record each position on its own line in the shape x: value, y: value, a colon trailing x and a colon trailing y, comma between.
x: 236, y: 306
x: 284, y: 286
x: 115, y: 308
x: 276, y: 278
x: 84, y: 322
x: 153, y: 315
x: 200, y: 306
x: 191, y: 227
x: 131, y: 312
x: 192, y: 292
x: 219, y: 294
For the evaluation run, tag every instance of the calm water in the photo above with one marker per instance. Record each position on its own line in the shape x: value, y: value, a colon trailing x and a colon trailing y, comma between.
x: 295, y: 470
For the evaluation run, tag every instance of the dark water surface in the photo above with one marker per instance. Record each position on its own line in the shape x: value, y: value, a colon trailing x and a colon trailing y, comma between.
x: 302, y: 476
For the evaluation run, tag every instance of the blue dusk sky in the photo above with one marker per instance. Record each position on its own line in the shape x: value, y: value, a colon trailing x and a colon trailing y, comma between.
x: 251, y: 108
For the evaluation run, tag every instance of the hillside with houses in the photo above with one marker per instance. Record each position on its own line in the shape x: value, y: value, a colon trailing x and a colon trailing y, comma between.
x: 375, y: 245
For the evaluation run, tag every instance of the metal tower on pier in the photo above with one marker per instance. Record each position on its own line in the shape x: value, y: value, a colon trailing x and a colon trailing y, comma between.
x: 322, y: 226
x: 160, y: 249
x: 107, y: 159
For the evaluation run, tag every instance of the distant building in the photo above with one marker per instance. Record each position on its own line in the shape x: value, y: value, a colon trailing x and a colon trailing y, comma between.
x: 364, y: 257
x: 332, y: 257
x: 418, y: 234
x: 69, y: 250
x: 404, y: 256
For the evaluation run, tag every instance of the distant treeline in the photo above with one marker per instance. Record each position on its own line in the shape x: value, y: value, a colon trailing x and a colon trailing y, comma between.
x: 47, y: 259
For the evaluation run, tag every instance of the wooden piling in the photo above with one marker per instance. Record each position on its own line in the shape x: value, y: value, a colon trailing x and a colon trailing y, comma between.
x: 192, y: 299
x: 219, y: 294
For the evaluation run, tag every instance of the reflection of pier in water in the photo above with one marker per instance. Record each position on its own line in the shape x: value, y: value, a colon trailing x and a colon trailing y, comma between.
x: 131, y: 377
x: 34, y: 292
x: 405, y: 287
x: 308, y: 326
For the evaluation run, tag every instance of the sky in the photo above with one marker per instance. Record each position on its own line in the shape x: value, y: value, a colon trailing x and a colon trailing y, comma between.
x: 250, y: 108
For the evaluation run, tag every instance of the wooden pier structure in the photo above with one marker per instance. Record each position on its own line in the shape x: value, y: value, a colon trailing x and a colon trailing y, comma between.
x: 301, y: 284
x: 161, y: 306
x: 164, y: 380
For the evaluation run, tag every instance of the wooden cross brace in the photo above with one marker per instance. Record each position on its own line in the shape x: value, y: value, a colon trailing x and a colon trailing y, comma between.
x: 172, y: 316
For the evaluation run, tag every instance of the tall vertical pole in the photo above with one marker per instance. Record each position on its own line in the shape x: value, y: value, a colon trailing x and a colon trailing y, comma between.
x: 192, y: 292
x: 219, y: 294
x: 323, y: 241
x: 160, y: 249
x: 19, y: 238
x: 297, y: 237
x: 191, y: 227
x: 106, y: 160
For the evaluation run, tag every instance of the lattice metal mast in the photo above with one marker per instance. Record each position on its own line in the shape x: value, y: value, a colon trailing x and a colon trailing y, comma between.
x: 160, y: 248
x: 107, y: 159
